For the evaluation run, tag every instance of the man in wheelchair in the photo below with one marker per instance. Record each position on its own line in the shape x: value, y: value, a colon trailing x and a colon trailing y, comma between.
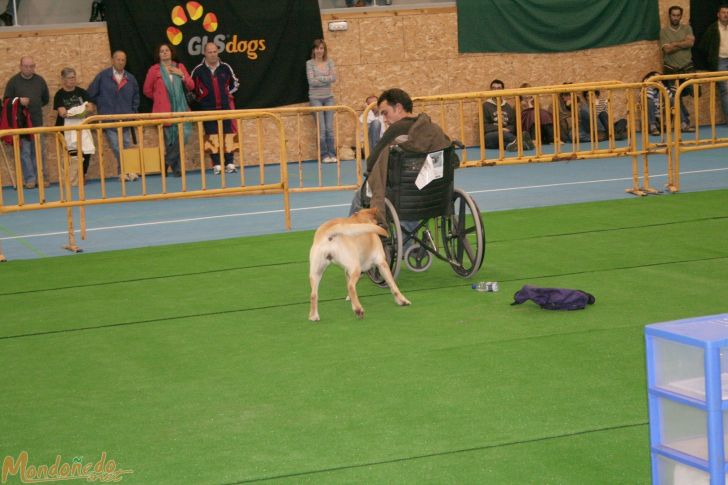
x: 412, y: 133
x: 427, y: 218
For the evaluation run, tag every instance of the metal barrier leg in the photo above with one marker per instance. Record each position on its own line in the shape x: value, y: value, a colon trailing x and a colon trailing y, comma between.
x: 71, y: 246
x: 7, y: 167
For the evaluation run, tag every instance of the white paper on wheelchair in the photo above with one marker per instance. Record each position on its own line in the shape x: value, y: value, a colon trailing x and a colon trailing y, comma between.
x: 431, y: 170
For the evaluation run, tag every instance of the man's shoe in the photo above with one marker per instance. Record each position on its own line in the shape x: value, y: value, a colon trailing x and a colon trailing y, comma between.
x: 512, y: 146
x: 178, y: 173
x: 687, y: 128
x: 654, y: 131
x: 231, y: 168
x: 527, y: 142
x: 30, y: 185
x: 216, y: 170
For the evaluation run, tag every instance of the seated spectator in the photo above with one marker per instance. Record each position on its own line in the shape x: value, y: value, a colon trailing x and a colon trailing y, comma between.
x: 655, y: 111
x: 566, y: 100
x: 601, y: 110
x: 507, y: 123
x: 374, y: 123
x: 528, y: 119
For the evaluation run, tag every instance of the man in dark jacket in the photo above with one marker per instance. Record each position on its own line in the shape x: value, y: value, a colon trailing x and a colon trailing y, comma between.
x: 115, y: 91
x: 714, y: 46
x: 507, y: 121
x: 215, y: 84
x: 32, y: 92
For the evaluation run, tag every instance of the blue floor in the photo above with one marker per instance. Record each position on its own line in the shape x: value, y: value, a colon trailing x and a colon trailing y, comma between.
x: 43, y: 233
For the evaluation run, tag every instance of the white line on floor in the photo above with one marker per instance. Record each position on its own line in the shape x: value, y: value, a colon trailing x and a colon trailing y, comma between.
x: 278, y: 211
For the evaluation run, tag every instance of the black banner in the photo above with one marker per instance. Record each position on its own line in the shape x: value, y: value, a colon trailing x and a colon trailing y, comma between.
x: 266, y: 42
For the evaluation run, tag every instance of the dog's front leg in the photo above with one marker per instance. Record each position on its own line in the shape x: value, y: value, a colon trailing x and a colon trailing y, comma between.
x: 353, y: 278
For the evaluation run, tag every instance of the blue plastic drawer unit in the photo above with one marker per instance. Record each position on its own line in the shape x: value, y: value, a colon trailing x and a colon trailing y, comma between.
x: 687, y: 385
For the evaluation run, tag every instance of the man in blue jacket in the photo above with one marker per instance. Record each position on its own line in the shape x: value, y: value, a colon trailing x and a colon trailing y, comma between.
x: 115, y: 91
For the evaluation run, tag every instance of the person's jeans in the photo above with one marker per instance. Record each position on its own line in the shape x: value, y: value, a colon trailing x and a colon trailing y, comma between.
x: 375, y: 134
x: 602, y: 121
x: 491, y: 139
x: 113, y: 138
x: 723, y: 87
x: 326, y: 127
x: 28, y: 160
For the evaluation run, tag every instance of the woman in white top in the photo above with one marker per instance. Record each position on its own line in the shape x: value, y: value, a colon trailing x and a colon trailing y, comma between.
x: 321, y: 74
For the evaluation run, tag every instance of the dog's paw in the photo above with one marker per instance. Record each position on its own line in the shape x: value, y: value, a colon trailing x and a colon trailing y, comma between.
x: 404, y: 302
x: 359, y: 312
x: 314, y: 318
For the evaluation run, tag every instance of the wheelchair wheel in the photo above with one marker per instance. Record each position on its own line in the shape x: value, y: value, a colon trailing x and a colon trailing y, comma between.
x: 392, y: 247
x: 463, y: 236
x: 417, y: 258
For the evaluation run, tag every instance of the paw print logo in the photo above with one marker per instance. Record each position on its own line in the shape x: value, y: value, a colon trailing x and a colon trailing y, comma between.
x: 194, y: 12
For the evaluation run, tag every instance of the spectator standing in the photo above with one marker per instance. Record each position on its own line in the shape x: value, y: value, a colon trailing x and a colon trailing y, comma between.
x: 71, y: 103
x: 165, y: 83
x: 714, y: 45
x: 214, y: 84
x: 32, y: 91
x: 677, y: 40
x: 116, y: 91
x: 321, y: 74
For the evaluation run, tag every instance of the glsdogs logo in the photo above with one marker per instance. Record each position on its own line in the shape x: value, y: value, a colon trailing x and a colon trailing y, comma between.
x: 196, y: 44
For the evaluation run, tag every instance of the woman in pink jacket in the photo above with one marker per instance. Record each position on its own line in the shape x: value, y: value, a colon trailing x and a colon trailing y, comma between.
x: 165, y: 84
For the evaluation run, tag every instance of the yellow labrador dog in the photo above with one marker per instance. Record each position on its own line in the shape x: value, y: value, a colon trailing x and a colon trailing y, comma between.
x: 352, y: 243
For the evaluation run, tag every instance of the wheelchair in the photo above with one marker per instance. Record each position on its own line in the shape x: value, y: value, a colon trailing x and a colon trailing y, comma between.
x: 439, y: 221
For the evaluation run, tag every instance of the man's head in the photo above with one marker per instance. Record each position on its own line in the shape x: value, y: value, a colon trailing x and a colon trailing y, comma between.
x: 212, y: 53
x: 394, y: 104
x: 118, y: 60
x: 723, y: 14
x: 497, y: 84
x: 27, y: 67
x: 675, y: 12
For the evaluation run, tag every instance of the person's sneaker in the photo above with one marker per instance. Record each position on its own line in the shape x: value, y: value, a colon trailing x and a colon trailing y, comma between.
x: 130, y: 177
x: 216, y: 170
x: 231, y: 168
x: 512, y: 146
x: 654, y: 131
x: 687, y: 128
x: 527, y: 142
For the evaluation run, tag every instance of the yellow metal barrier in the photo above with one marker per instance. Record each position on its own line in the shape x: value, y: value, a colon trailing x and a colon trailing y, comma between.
x: 68, y: 198
x: 698, y: 82
x: 617, y: 94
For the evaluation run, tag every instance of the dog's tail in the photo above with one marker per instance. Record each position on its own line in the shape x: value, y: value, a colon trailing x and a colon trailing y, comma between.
x: 345, y: 229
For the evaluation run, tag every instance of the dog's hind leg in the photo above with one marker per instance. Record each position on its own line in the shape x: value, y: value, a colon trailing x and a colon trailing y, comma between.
x: 353, y: 278
x: 387, y: 274
x: 316, y: 271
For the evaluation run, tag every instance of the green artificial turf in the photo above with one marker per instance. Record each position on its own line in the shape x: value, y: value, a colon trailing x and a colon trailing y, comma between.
x: 195, y: 363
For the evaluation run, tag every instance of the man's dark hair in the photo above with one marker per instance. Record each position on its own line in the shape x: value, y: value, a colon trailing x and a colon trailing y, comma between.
x: 674, y: 7
x: 722, y: 6
x: 497, y: 81
x: 394, y: 96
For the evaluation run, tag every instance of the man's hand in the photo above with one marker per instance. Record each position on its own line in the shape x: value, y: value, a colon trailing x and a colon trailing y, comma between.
x: 25, y: 101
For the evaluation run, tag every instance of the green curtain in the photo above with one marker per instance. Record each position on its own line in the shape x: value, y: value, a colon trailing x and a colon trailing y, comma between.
x: 554, y: 25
